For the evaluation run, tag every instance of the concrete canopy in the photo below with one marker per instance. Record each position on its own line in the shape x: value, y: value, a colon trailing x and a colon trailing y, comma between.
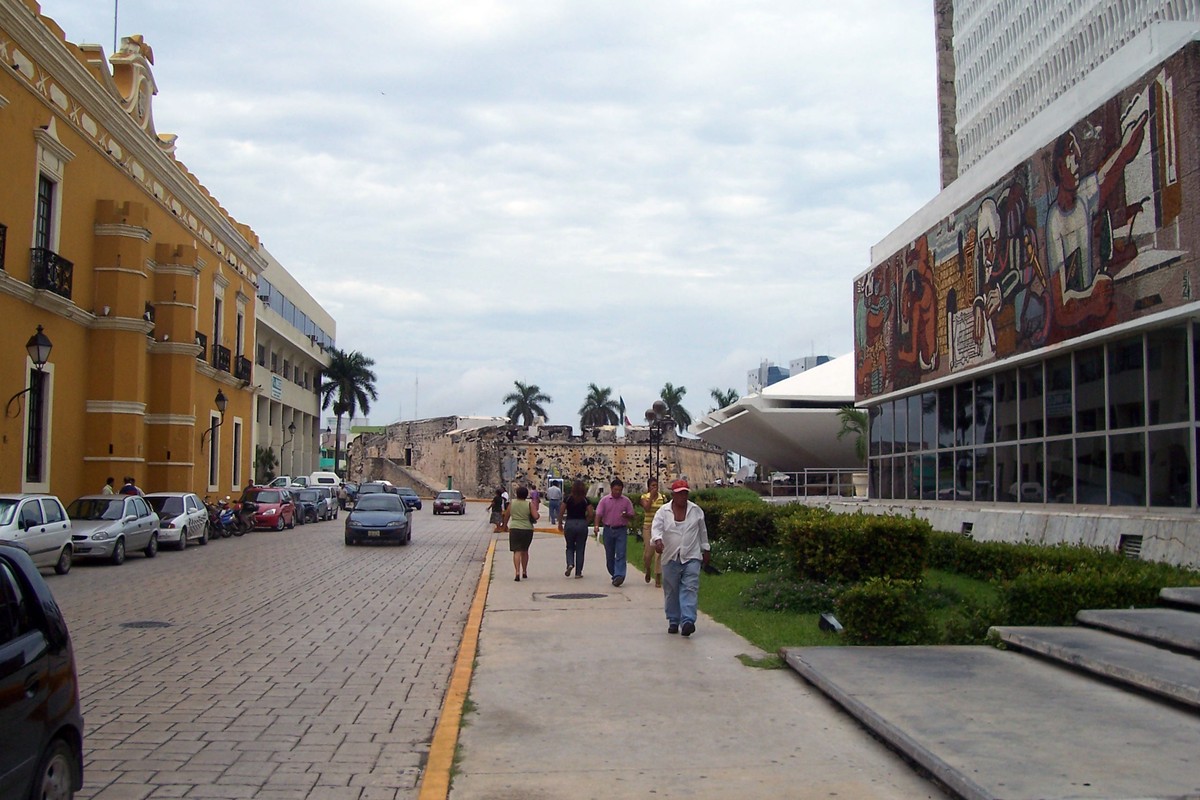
x: 792, y: 425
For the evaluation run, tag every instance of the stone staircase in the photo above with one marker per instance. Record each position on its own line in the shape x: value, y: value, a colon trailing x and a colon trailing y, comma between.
x: 1108, y: 709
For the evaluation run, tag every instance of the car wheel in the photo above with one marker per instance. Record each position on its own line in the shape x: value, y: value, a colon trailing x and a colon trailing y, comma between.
x: 63, y: 565
x: 118, y: 553
x: 293, y: 523
x: 279, y: 524
x: 204, y: 534
x: 56, y: 772
x: 152, y: 548
x: 349, y: 540
x: 183, y: 537
x: 462, y: 511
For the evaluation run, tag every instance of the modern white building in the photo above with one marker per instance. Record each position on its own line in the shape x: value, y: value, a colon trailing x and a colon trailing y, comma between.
x: 293, y: 337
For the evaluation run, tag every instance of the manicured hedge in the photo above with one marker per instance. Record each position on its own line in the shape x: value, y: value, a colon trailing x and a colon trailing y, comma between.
x: 848, y: 548
x: 885, y: 611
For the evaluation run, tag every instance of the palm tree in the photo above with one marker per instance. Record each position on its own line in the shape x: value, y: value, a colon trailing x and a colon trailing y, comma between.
x: 673, y: 397
x: 349, y: 385
x: 723, y: 398
x: 599, y: 408
x: 854, y: 423
x: 526, y: 403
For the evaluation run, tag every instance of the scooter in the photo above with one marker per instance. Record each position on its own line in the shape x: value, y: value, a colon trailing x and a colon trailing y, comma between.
x: 216, y: 530
x: 230, y: 521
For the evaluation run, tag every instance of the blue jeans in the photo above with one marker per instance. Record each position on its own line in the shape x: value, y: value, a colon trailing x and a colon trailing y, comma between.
x: 575, y: 532
x: 554, y: 504
x: 615, y: 540
x: 681, y: 587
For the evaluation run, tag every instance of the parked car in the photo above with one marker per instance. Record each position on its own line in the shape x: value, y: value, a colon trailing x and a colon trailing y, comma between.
x: 379, y: 517
x: 376, y: 487
x: 329, y: 498
x: 449, y: 501
x: 111, y: 525
x: 310, y: 507
x: 182, y: 518
x: 410, y: 498
x: 39, y: 523
x: 329, y: 479
x: 275, y: 507
x: 287, y: 481
x: 41, y: 726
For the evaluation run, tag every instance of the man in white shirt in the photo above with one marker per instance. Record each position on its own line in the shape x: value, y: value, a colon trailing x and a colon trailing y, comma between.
x: 680, y: 536
x: 554, y: 496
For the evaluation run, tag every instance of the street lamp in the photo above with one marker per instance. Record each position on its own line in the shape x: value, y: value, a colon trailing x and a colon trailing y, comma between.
x: 657, y: 419
x: 291, y: 429
x: 222, y: 402
x: 38, y: 347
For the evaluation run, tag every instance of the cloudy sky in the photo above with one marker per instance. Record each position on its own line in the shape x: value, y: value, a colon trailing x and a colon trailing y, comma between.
x: 558, y: 192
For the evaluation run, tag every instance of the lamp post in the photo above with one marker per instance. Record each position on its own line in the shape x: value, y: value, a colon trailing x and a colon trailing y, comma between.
x: 222, y: 402
x: 38, y: 347
x: 291, y: 429
x: 657, y: 419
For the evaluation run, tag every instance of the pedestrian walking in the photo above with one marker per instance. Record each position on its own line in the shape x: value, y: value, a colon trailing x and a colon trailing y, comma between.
x: 554, y: 496
x: 519, y: 517
x: 497, y: 512
x: 108, y: 485
x: 614, y: 511
x: 681, y: 538
x: 573, y: 523
x: 652, y: 501
x: 130, y: 487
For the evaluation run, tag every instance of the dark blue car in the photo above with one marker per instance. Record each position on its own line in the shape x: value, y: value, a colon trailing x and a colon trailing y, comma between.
x: 411, y: 501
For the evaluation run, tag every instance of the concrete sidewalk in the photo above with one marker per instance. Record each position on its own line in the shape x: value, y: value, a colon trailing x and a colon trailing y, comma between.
x: 579, y: 692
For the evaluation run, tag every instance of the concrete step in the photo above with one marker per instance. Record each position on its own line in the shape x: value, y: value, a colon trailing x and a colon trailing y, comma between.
x: 1185, y: 597
x: 1169, y: 627
x: 990, y: 723
x: 1161, y: 672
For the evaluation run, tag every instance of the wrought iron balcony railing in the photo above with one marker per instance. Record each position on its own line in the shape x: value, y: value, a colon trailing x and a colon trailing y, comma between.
x: 221, y: 357
x: 202, y: 340
x: 148, y: 314
x: 242, y: 368
x: 50, y: 271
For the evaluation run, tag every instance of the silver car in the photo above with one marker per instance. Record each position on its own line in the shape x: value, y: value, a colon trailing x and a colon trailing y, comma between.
x: 109, y: 525
x: 40, y: 524
x: 182, y: 518
x: 329, y: 498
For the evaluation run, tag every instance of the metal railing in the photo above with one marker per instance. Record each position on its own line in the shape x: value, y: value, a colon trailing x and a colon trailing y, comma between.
x: 815, y: 483
x: 202, y: 340
x: 48, y: 270
x: 221, y: 357
x: 243, y: 369
x: 148, y: 314
x: 3, y: 239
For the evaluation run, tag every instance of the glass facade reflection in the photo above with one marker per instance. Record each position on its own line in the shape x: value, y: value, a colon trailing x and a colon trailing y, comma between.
x: 1113, y: 424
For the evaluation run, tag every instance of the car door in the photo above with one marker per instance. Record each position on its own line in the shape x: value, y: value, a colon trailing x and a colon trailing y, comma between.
x: 58, y: 527
x: 196, y: 515
x: 31, y: 530
x: 24, y: 685
x: 147, y: 519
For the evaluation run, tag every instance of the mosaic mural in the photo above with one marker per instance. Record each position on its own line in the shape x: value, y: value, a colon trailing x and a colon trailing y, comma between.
x: 1085, y: 234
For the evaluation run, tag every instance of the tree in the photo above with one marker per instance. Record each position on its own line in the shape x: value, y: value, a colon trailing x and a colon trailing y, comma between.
x: 723, y: 398
x: 854, y: 423
x: 348, y: 385
x: 526, y: 403
x: 264, y: 463
x: 673, y: 397
x: 599, y: 408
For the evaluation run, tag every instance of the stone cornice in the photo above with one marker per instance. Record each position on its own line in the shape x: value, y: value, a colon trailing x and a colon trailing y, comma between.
x: 187, y: 270
x: 54, y: 75
x: 49, y: 141
x: 125, y: 231
x: 174, y: 349
x: 115, y: 407
x: 3, y: 102
x: 128, y: 324
x: 171, y: 419
x: 126, y: 270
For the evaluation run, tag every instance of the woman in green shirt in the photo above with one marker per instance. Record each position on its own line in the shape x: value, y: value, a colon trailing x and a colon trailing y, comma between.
x: 519, y: 518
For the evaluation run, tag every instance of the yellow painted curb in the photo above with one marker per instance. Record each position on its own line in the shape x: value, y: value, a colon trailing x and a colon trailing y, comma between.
x: 435, y: 782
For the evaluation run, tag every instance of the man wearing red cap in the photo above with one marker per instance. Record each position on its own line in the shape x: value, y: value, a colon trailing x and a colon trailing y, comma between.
x: 681, y: 537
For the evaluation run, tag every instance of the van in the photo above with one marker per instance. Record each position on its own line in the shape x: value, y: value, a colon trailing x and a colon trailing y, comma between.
x: 324, y: 479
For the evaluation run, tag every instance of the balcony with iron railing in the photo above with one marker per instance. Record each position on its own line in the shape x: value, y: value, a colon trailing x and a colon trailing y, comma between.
x: 242, y: 368
x: 50, y: 271
x: 148, y: 314
x: 221, y: 357
x: 202, y: 340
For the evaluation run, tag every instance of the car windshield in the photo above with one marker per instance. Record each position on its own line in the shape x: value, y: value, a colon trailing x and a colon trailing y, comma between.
x: 263, y: 496
x: 370, y: 488
x: 90, y: 508
x: 311, y: 495
x: 451, y: 496
x: 380, y: 502
x: 166, y: 506
x: 407, y: 492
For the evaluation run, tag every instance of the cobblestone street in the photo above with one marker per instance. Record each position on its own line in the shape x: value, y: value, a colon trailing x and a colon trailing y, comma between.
x: 275, y: 665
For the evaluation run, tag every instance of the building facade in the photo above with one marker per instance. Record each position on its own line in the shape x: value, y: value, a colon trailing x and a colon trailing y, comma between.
x: 1028, y: 342
x: 144, y: 285
x: 765, y: 375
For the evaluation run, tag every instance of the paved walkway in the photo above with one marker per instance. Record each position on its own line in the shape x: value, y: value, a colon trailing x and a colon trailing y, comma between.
x: 579, y: 692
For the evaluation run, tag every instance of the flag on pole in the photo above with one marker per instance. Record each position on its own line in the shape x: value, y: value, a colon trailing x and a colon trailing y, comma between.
x: 621, y: 405
x: 628, y: 424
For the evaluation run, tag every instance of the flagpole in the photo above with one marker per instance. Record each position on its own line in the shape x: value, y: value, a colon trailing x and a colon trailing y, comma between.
x: 116, y: 5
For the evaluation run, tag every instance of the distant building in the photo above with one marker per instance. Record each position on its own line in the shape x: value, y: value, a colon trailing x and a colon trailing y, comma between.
x: 766, y: 374
x: 798, y: 365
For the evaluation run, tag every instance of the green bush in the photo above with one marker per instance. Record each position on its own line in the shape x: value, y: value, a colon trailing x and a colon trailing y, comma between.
x: 1045, y: 597
x: 885, y: 611
x: 759, y: 559
x: 1005, y: 560
x: 848, y: 548
x: 782, y: 592
x: 748, y: 526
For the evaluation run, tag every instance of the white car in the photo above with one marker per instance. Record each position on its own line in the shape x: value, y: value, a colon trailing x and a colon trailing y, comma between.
x: 40, y: 524
x: 182, y: 518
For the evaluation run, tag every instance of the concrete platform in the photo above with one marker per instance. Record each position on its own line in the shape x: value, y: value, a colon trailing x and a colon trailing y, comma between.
x: 1182, y: 596
x: 1170, y: 627
x: 1172, y: 676
x: 994, y: 724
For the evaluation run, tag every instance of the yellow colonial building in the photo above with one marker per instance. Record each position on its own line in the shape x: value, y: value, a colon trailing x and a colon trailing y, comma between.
x: 114, y: 254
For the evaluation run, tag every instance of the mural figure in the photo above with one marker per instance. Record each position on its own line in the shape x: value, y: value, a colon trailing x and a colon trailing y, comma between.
x: 918, y: 311
x: 1083, y: 291
x: 873, y: 309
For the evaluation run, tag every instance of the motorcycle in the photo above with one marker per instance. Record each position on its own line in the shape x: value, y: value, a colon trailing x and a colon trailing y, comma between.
x: 215, y: 527
x: 230, y: 521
